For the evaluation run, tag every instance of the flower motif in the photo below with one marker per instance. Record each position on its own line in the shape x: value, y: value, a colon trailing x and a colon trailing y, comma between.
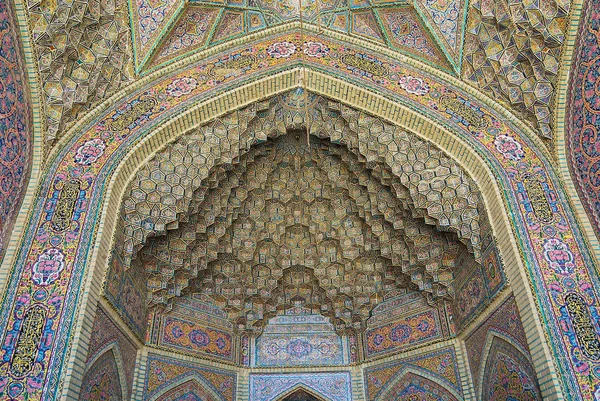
x: 509, y: 147
x: 281, y: 49
x: 400, y: 333
x: 48, y: 267
x: 89, y: 152
x: 181, y: 86
x: 413, y: 85
x: 199, y: 338
x: 315, y: 49
x: 559, y: 256
x: 299, y: 348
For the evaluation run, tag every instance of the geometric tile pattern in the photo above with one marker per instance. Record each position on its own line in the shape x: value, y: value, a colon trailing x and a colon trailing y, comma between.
x: 84, y: 55
x: 512, y: 53
x: 294, y: 219
x: 431, y: 30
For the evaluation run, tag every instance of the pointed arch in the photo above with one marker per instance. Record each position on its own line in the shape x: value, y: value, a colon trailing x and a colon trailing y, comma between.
x: 188, y: 383
x: 405, y: 378
x: 414, y: 380
x: 490, y: 357
x: 302, y: 387
x: 100, y: 364
x: 148, y: 125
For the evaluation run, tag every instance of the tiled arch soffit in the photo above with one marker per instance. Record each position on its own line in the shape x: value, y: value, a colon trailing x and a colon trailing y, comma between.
x: 479, y: 134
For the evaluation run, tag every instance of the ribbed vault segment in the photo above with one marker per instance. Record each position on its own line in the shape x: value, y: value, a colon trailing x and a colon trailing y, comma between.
x: 246, y: 211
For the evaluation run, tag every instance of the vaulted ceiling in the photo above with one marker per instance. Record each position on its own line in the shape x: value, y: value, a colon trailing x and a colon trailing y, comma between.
x: 89, y: 49
x: 276, y: 223
x: 431, y: 30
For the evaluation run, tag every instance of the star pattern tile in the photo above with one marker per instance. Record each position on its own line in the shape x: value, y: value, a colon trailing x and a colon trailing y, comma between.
x: 166, y: 30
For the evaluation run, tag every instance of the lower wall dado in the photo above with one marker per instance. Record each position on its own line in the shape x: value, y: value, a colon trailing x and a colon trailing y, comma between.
x: 491, y: 362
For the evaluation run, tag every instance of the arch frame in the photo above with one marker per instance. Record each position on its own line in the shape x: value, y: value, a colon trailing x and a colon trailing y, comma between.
x: 487, y: 348
x: 385, y: 392
x: 467, y: 158
x: 113, y: 347
x: 192, y: 376
x: 472, y: 159
x: 300, y: 386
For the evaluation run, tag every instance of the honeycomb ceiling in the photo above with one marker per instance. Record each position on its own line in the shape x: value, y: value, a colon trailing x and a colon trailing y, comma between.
x: 165, y: 30
x: 332, y: 226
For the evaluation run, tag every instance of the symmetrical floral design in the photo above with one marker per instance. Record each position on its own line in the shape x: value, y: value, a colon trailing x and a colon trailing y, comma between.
x: 413, y: 85
x: 181, y: 86
x: 334, y: 386
x: 281, y: 49
x: 188, y: 336
x: 545, y: 281
x: 559, y: 257
x: 582, y: 118
x: 509, y: 147
x: 90, y: 151
x: 315, y: 49
x: 48, y: 267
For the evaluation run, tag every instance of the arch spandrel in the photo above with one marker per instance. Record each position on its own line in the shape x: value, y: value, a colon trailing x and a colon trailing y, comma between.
x: 95, y: 153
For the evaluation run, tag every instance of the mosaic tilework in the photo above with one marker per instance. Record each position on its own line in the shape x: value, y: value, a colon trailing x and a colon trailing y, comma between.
x: 560, y: 292
x: 188, y: 30
x: 508, y: 375
x: 190, y: 390
x: 414, y: 387
x: 440, y: 365
x: 84, y: 56
x: 446, y: 17
x: 164, y: 373
x: 405, y: 321
x: 407, y: 332
x: 512, y: 52
x: 126, y: 290
x: 269, y: 387
x: 193, y: 326
x: 151, y: 16
x: 504, y: 320
x: 105, y: 332
x: 364, y: 24
x: 582, y: 120
x: 476, y: 285
x: 301, y: 340
x: 182, y: 334
x: 275, y: 226
x: 405, y: 31
x: 15, y: 125
x: 190, y: 33
x: 230, y: 25
x: 101, y: 381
